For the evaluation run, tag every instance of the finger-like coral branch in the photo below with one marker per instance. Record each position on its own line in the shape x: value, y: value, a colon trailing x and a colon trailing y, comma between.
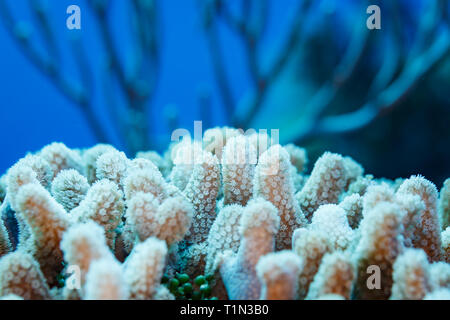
x: 335, y: 276
x: 202, y: 190
x: 224, y: 234
x: 168, y: 221
x: 18, y: 176
x: 238, y: 166
x: 48, y: 220
x: 84, y: 243
x: 427, y: 236
x: 90, y: 157
x: 144, y: 268
x: 20, y: 275
x: 105, y: 281
x: 60, y: 157
x: 278, y: 273
x: 311, y: 245
x: 42, y: 168
x: 273, y: 182
x: 259, y: 225
x: 113, y: 166
x: 104, y: 205
x: 411, y: 276
x: 326, y: 183
x: 412, y: 206
x: 379, y: 247
x: 145, y: 180
x: 332, y: 221
x: 69, y: 188
x: 375, y: 195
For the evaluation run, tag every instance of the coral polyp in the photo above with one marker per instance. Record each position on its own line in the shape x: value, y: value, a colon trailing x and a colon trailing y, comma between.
x: 217, y: 220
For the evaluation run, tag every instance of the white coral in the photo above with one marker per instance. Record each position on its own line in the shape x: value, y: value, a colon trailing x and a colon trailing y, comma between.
x: 144, y: 268
x: 105, y: 281
x: 69, y: 188
x: 326, y: 183
x: 274, y: 183
x: 278, y: 272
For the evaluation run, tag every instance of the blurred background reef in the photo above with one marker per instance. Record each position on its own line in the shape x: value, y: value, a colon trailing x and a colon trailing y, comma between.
x: 138, y: 69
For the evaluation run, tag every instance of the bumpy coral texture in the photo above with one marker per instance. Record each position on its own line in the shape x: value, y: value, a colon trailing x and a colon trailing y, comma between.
x: 48, y: 220
x: 104, y: 205
x: 84, y: 243
x: 42, y: 168
x: 427, y: 236
x: 167, y: 221
x: 278, y: 273
x: 273, y: 182
x: 113, y: 166
x: 224, y: 234
x: 258, y: 227
x: 18, y: 176
x: 69, y: 188
x: 60, y: 157
x: 144, y: 268
x: 238, y: 167
x: 326, y: 183
x: 90, y: 157
x: 202, y: 190
x: 239, y: 209
x: 148, y: 180
x: 311, y: 245
x: 411, y: 276
x: 412, y: 207
x: 379, y: 246
x: 332, y: 221
x: 105, y: 281
x: 335, y: 276
x: 20, y: 275
x: 163, y: 164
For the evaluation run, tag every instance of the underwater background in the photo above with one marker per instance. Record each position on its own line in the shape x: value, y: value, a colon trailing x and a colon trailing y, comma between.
x: 138, y: 69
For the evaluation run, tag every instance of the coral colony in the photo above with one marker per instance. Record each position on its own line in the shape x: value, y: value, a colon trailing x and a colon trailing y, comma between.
x: 221, y: 218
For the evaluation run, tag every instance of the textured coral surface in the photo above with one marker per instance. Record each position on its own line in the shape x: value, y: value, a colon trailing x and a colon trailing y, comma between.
x: 218, y: 219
